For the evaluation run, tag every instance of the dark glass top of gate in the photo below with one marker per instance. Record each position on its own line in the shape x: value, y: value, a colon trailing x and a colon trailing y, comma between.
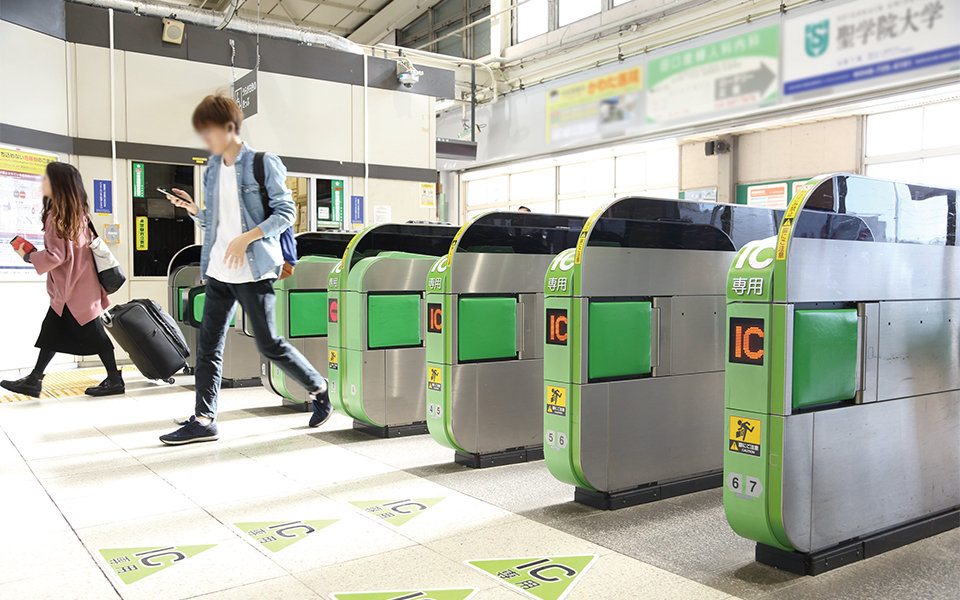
x: 894, y: 212
x: 637, y: 222
x: 188, y: 255
x: 433, y: 240
x: 521, y: 233
x: 323, y: 243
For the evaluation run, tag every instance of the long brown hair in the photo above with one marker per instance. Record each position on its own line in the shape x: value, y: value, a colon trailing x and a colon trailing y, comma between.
x: 68, y: 205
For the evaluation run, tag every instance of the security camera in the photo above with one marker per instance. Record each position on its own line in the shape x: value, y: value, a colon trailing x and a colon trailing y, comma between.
x: 407, y: 74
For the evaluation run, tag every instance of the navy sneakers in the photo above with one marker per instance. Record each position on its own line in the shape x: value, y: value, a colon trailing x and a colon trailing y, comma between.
x: 322, y: 408
x: 193, y: 431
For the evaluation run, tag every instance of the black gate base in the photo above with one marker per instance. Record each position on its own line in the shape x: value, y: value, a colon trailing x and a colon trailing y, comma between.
x: 648, y: 493
x: 391, y: 431
x: 821, y: 561
x: 497, y: 459
x: 241, y: 383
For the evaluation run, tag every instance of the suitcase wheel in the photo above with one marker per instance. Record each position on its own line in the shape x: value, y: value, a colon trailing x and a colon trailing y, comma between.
x: 170, y: 380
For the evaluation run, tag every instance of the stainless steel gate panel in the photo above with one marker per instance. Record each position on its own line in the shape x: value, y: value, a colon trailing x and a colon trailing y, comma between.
x: 499, y: 273
x: 653, y: 272
x: 873, y: 466
x: 510, y: 393
x: 919, y: 348
x: 691, y: 334
x: 841, y: 271
x: 404, y: 386
x: 685, y: 440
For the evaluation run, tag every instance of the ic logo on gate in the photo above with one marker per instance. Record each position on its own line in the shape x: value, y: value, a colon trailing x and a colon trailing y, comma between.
x: 746, y: 341
x: 557, y: 326
x: 434, y: 318
x: 332, y: 310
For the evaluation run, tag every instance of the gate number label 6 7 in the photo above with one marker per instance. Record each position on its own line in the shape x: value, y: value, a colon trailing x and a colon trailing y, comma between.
x: 744, y: 486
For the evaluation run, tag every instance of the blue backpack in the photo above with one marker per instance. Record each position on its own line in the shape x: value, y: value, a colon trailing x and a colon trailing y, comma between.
x: 288, y: 243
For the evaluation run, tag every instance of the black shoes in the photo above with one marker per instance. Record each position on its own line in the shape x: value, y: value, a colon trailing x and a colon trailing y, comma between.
x: 322, y: 408
x: 29, y: 385
x: 193, y: 431
x: 110, y: 386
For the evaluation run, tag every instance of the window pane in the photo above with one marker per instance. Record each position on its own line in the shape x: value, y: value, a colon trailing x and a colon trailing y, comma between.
x: 619, y: 2
x: 663, y: 167
x: 941, y: 125
x: 583, y: 206
x: 572, y: 179
x: 417, y: 28
x: 574, y: 10
x: 531, y: 19
x: 481, y: 192
x: 894, y: 132
x: 481, y: 36
x: 906, y: 171
x: 446, y: 10
x: 479, y: 4
x: 942, y: 171
x: 453, y: 45
x: 631, y: 171
x: 532, y: 184
x: 537, y: 207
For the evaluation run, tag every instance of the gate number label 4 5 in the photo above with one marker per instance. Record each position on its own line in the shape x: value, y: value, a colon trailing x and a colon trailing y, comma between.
x: 744, y: 486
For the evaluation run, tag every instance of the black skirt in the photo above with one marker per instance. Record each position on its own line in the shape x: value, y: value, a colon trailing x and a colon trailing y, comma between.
x: 64, y: 334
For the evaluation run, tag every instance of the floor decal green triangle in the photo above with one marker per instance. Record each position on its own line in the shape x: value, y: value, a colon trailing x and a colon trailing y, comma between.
x: 397, y: 512
x: 277, y: 535
x: 542, y: 577
x: 448, y: 594
x: 133, y: 564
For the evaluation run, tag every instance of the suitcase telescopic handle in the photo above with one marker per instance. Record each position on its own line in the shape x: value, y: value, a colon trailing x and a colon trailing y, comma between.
x: 107, y: 318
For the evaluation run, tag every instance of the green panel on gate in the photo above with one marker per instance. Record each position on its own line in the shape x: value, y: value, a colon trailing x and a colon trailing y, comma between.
x: 486, y: 328
x: 393, y: 320
x: 198, y: 302
x: 308, y: 313
x: 824, y: 356
x: 619, y: 340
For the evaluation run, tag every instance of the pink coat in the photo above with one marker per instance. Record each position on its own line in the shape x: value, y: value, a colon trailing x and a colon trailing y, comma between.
x: 71, y: 274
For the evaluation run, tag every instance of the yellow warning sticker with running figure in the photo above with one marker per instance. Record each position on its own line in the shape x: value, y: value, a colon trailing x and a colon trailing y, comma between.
x: 744, y: 435
x: 556, y: 401
x: 433, y: 378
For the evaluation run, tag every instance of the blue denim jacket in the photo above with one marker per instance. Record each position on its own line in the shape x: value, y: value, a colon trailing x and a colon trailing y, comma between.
x: 264, y: 255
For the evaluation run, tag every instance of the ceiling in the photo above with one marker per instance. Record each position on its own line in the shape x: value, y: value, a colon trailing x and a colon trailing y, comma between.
x: 341, y: 17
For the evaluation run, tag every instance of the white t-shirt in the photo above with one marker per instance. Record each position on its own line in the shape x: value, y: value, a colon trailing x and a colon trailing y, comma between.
x: 228, y: 228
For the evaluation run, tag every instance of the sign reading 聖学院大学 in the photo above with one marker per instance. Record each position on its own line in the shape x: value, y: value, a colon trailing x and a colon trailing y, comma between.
x: 856, y: 43
x: 731, y: 74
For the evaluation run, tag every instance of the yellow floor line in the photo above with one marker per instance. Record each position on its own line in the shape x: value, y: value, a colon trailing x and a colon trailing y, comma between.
x: 65, y: 384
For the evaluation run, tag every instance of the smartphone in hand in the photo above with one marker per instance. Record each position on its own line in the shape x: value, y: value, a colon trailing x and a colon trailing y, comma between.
x: 166, y: 193
x: 21, y: 243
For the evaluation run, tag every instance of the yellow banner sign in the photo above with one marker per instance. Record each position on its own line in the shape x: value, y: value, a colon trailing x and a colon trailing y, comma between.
x: 142, y: 229
x: 24, y: 162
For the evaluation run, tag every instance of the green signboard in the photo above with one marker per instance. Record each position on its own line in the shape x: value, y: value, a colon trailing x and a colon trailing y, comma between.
x: 397, y: 512
x: 277, y: 535
x: 770, y: 194
x: 543, y: 578
x: 133, y: 564
x: 336, y: 192
x: 139, y: 180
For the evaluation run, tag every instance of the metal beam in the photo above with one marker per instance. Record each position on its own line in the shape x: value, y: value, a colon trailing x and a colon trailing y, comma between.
x: 395, y: 14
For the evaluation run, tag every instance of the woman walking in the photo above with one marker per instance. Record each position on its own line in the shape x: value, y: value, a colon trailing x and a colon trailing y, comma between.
x: 72, y: 324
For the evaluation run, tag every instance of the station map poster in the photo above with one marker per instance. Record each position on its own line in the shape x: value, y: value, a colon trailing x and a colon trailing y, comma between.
x: 608, y: 106
x: 730, y: 75
x: 21, y: 205
x: 868, y: 42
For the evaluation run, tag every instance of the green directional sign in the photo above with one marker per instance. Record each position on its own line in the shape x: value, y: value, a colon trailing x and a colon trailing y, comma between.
x: 542, y: 577
x: 133, y: 564
x: 448, y: 594
x: 277, y: 535
x: 397, y: 512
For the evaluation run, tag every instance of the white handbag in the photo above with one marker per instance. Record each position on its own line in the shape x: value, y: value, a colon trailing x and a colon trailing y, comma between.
x: 108, y: 269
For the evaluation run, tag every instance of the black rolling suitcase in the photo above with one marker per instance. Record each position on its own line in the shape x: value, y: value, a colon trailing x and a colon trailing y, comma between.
x: 150, y: 336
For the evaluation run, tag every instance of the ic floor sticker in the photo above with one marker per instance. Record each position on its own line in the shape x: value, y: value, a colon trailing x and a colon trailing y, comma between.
x: 277, y: 535
x: 544, y: 578
x: 448, y: 594
x: 397, y: 512
x: 133, y: 564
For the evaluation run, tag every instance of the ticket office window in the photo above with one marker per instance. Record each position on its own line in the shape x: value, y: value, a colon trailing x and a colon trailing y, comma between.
x: 160, y: 230
x: 328, y: 203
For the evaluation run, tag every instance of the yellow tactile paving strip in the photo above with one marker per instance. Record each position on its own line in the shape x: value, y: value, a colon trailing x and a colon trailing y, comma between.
x: 65, y: 384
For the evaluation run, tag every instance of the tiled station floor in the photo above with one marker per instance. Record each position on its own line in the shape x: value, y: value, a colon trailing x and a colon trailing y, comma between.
x: 92, y: 506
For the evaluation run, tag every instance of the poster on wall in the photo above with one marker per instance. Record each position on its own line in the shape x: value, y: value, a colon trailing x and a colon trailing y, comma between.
x: 428, y: 195
x: 21, y: 206
x: 608, y: 105
x: 856, y: 43
x: 729, y: 75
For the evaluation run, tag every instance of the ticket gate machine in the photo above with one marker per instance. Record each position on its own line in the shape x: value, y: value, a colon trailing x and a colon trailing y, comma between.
x: 301, y: 311
x: 376, y: 326
x: 842, y: 423
x: 183, y: 274
x: 633, y: 348
x: 484, y: 326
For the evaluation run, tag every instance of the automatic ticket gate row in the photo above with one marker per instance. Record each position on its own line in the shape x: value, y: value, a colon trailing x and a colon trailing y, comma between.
x: 633, y: 348
x: 301, y: 311
x: 375, y: 307
x: 484, y: 326
x: 842, y: 420
x: 241, y: 363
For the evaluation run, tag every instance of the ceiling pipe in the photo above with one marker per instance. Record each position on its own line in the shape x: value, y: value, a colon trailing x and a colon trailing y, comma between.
x: 218, y: 20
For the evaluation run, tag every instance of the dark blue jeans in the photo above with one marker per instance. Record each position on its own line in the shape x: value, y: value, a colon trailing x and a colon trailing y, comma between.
x: 258, y: 301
